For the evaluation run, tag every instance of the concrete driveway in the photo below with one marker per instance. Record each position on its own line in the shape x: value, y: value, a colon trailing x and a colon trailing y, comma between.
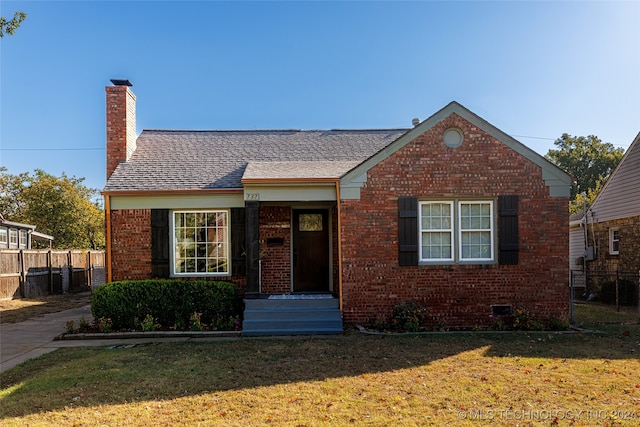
x: 34, y: 337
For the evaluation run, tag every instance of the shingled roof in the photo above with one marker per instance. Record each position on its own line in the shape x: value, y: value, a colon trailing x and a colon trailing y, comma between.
x: 173, y: 160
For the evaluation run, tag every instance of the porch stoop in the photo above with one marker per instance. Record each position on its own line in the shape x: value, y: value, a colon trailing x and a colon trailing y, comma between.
x: 299, y: 316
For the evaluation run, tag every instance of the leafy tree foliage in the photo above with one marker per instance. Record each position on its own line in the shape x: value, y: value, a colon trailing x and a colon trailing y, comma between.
x: 59, y: 206
x: 588, y: 160
x: 11, y: 25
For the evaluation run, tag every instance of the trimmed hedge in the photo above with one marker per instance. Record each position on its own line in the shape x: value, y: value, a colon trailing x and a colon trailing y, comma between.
x: 171, y: 303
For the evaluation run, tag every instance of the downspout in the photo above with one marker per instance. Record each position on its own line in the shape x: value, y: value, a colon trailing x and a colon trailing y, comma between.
x: 107, y: 222
x: 339, y: 237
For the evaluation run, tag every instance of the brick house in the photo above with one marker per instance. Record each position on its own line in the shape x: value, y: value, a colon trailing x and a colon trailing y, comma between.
x: 613, y: 226
x: 451, y: 213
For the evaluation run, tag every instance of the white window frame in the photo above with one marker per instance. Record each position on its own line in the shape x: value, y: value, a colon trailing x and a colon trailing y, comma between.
x: 613, y: 241
x: 22, y: 239
x: 13, y: 238
x: 457, y: 232
x: 422, y: 231
x: 225, y: 245
x: 4, y: 238
x: 462, y: 230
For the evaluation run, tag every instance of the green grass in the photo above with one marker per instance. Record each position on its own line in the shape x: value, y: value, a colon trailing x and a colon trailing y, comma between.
x: 437, y: 379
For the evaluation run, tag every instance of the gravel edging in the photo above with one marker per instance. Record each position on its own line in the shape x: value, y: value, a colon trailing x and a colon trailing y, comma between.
x: 572, y: 330
x: 152, y: 334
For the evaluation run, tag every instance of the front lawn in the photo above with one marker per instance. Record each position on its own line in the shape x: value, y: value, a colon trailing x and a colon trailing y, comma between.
x: 513, y: 378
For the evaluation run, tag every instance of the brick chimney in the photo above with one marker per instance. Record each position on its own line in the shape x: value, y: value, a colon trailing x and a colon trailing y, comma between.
x: 121, y: 123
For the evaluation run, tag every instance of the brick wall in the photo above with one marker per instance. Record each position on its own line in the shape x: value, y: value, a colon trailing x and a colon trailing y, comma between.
x: 121, y: 125
x: 455, y: 295
x: 131, y: 248
x: 131, y: 244
x: 628, y: 257
x: 275, y: 223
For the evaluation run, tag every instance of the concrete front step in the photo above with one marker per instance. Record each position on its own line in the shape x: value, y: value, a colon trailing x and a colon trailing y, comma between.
x: 263, y: 317
x: 289, y: 304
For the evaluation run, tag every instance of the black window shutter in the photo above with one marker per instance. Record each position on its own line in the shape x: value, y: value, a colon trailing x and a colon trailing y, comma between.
x: 160, y: 243
x: 508, y: 245
x: 238, y: 253
x: 407, y: 231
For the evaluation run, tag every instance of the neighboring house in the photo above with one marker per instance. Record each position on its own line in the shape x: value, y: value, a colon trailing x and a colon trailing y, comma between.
x: 14, y: 235
x: 613, y: 220
x: 578, y: 254
x: 452, y: 213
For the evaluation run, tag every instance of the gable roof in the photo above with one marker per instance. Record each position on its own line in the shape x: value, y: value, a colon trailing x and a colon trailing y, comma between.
x: 620, y: 196
x: 172, y: 160
x: 555, y: 178
x: 181, y: 160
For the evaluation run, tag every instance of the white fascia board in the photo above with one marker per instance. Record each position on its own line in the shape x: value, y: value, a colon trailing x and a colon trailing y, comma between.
x: 177, y: 201
x: 303, y: 192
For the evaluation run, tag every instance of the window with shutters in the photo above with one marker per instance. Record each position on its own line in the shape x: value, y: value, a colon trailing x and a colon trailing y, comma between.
x: 457, y: 231
x: 200, y: 242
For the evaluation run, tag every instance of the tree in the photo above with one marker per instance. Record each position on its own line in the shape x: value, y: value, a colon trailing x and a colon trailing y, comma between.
x: 11, y: 201
x: 61, y: 207
x: 10, y: 26
x: 588, y: 160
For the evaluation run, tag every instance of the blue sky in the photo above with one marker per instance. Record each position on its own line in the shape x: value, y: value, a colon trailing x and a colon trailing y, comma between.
x: 533, y: 69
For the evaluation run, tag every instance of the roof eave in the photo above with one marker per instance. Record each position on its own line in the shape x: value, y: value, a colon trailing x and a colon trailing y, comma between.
x: 171, y: 192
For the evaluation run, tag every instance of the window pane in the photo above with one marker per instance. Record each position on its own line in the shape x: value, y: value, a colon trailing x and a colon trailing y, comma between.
x: 200, y: 242
x: 436, y: 216
x: 189, y: 220
x: 475, y: 245
x: 436, y: 245
x: 475, y: 216
x: 212, y: 219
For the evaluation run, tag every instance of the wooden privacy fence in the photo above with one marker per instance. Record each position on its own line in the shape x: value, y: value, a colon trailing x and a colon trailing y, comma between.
x: 31, y: 273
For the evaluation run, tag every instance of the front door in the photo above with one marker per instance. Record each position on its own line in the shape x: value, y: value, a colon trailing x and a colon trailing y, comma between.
x: 310, y: 250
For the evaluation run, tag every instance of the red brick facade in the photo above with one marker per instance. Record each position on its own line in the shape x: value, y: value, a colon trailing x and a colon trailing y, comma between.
x: 455, y: 295
x: 373, y: 282
x: 131, y: 244
x: 275, y: 223
x: 131, y: 255
x: 121, y: 125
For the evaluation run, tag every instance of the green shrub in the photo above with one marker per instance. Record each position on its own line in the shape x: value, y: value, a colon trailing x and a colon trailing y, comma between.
x: 408, y: 317
x: 71, y: 327
x: 195, y: 322
x: 168, y: 302
x: 149, y: 324
x: 524, y: 320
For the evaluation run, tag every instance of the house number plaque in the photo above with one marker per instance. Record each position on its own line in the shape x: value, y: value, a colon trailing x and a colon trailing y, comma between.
x: 252, y: 197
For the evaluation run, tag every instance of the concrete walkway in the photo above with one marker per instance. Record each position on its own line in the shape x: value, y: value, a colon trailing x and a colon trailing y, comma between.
x: 34, y: 337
